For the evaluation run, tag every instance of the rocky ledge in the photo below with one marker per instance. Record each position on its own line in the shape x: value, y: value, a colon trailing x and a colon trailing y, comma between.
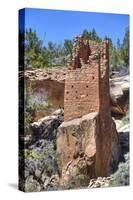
x: 78, y: 152
x: 55, y: 74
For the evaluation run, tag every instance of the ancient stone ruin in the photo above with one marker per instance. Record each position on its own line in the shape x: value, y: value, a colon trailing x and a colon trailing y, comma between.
x: 88, y: 138
x: 87, y: 84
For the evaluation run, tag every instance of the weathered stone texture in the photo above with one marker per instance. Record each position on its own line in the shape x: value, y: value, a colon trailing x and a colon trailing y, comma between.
x: 87, y: 82
x: 81, y: 93
x: 76, y: 146
x: 80, y: 140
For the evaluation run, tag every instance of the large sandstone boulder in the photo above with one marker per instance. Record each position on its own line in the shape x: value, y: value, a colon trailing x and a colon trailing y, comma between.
x: 78, y: 149
x: 76, y: 138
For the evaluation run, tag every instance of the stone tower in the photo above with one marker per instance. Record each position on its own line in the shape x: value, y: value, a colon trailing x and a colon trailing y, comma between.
x: 88, y: 128
x: 87, y: 83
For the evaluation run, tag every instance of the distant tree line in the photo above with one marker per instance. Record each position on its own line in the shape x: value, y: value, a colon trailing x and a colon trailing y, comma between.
x: 38, y: 55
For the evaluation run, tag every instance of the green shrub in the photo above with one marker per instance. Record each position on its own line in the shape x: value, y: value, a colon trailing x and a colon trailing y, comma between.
x: 27, y: 121
x: 32, y: 154
x: 121, y: 176
x: 32, y: 106
x: 125, y: 119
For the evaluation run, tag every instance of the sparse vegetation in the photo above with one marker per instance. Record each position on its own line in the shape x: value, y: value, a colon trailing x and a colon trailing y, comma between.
x: 31, y: 107
x: 125, y: 119
x: 31, y: 154
x: 121, y: 176
x: 27, y: 121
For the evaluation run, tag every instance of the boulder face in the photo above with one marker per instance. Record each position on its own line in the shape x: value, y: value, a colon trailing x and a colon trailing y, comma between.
x: 77, y: 138
x: 78, y: 147
x: 45, y: 128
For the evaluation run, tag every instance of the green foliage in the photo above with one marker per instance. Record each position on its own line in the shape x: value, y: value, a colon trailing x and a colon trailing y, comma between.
x: 114, y: 58
x: 125, y: 46
x: 90, y: 35
x: 121, y: 176
x: 32, y: 154
x: 32, y: 106
x: 125, y: 119
x: 94, y: 36
x: 49, y: 170
x: 39, y: 56
x: 27, y: 121
x: 27, y: 109
x: 34, y: 51
x: 68, y: 45
x: 119, y: 54
x: 55, y: 54
x: 86, y: 35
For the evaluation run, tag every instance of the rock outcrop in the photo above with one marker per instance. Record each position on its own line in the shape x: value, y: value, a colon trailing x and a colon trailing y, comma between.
x: 55, y: 74
x: 77, y: 148
x: 100, y: 182
x: 76, y: 144
x: 46, y: 127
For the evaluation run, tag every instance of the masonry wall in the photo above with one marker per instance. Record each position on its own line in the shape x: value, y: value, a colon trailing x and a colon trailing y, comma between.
x: 81, y: 92
x: 87, y: 84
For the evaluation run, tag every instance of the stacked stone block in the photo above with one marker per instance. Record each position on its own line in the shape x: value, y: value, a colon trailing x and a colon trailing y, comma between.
x: 87, y: 84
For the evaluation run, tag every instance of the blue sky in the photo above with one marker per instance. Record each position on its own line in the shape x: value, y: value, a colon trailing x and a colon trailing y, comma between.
x: 55, y: 25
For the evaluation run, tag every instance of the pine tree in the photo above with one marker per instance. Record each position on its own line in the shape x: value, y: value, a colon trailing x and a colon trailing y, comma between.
x: 86, y: 35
